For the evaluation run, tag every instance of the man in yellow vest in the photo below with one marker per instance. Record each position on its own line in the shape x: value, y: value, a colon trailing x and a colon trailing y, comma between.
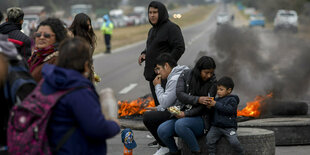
x: 107, y: 29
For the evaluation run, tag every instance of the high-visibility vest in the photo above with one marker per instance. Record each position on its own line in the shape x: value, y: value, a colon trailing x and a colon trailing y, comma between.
x: 107, y: 29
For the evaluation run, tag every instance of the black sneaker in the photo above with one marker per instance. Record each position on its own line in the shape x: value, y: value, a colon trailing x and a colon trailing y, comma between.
x: 174, y: 153
x: 153, y: 144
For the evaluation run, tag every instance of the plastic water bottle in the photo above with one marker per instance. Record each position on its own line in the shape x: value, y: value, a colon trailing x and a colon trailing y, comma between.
x: 108, y: 103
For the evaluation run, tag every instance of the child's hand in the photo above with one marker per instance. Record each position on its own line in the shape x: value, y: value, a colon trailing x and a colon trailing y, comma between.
x: 211, y: 102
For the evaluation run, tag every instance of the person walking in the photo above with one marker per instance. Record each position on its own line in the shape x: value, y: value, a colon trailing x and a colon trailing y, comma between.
x: 107, y: 30
x: 81, y: 27
x: 164, y: 37
x: 167, y: 69
x: 12, y: 27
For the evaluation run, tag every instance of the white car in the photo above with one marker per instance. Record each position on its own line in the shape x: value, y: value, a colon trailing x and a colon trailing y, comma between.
x: 286, y: 19
x: 222, y: 18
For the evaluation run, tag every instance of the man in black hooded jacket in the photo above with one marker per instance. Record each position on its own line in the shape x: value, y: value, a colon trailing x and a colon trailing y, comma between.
x: 12, y: 27
x: 164, y: 37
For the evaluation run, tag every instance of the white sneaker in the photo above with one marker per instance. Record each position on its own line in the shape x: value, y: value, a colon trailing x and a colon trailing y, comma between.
x: 149, y: 136
x: 161, y: 151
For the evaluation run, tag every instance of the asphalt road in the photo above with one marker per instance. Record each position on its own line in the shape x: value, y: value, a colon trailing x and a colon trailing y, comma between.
x: 121, y: 72
x: 115, y: 146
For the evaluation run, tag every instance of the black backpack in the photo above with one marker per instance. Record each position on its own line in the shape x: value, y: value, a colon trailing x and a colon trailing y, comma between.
x: 19, y: 83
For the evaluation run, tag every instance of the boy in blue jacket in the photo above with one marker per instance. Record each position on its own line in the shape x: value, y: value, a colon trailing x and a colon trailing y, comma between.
x: 224, y: 119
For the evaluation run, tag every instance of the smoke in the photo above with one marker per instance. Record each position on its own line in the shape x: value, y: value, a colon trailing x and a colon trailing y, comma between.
x: 261, y: 62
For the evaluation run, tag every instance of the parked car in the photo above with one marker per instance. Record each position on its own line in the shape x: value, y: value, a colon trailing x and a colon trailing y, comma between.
x: 26, y: 27
x: 257, y: 20
x: 286, y: 19
x: 223, y: 18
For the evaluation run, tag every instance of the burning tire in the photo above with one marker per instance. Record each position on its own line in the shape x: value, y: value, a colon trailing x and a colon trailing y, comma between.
x: 254, y: 141
x: 288, y: 131
x: 288, y: 108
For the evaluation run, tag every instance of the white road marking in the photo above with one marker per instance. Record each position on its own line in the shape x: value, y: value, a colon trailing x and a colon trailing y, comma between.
x: 128, y: 88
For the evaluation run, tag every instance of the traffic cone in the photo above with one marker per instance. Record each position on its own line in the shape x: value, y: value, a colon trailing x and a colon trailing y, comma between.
x: 127, y: 151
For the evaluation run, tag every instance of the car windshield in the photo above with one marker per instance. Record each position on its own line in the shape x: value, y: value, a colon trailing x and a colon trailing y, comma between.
x: 287, y: 14
x: 257, y: 17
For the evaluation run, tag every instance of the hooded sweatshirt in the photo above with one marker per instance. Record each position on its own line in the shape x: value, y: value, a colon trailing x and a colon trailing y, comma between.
x: 225, y: 111
x: 167, y: 97
x: 164, y: 37
x: 21, y: 41
x: 79, y: 108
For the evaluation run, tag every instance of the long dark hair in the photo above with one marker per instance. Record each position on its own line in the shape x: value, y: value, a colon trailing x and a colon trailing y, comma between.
x: 73, y: 53
x: 197, y: 83
x: 79, y: 27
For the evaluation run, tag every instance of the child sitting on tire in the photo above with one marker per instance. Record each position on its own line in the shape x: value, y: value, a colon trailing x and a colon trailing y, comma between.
x: 224, y: 122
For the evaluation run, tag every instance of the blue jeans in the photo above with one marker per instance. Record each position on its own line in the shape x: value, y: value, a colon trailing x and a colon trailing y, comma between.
x: 230, y: 134
x: 188, y: 128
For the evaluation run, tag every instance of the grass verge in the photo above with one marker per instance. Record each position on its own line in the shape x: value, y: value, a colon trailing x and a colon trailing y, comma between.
x: 128, y: 35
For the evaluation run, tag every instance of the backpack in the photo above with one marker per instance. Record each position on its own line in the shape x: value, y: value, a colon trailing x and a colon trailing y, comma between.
x: 28, y: 122
x: 19, y: 83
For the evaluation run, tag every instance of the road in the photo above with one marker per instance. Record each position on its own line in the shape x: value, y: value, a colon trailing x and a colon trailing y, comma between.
x: 121, y: 72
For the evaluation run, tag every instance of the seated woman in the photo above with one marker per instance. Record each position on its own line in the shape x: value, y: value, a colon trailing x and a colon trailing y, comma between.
x: 193, y: 87
x: 49, y: 34
x: 79, y: 108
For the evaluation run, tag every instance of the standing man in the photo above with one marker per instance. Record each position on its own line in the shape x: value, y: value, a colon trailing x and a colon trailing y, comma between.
x: 12, y: 27
x: 107, y: 29
x: 164, y: 37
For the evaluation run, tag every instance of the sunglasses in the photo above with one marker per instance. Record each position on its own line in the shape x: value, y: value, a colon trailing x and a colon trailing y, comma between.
x: 45, y: 35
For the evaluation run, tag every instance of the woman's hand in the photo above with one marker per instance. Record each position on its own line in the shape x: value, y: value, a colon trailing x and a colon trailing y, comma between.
x: 180, y: 115
x: 203, y: 100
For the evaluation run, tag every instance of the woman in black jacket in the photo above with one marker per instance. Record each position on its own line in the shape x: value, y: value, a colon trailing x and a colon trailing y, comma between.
x: 193, y: 89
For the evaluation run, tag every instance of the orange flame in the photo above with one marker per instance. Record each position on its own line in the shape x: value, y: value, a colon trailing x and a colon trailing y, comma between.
x: 253, y: 107
x: 135, y: 107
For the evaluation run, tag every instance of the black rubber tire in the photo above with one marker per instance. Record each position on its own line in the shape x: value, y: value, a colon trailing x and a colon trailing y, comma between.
x: 254, y: 141
x: 288, y: 131
x: 288, y: 108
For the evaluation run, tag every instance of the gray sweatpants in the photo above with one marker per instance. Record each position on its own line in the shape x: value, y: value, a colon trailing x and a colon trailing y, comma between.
x: 230, y: 134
